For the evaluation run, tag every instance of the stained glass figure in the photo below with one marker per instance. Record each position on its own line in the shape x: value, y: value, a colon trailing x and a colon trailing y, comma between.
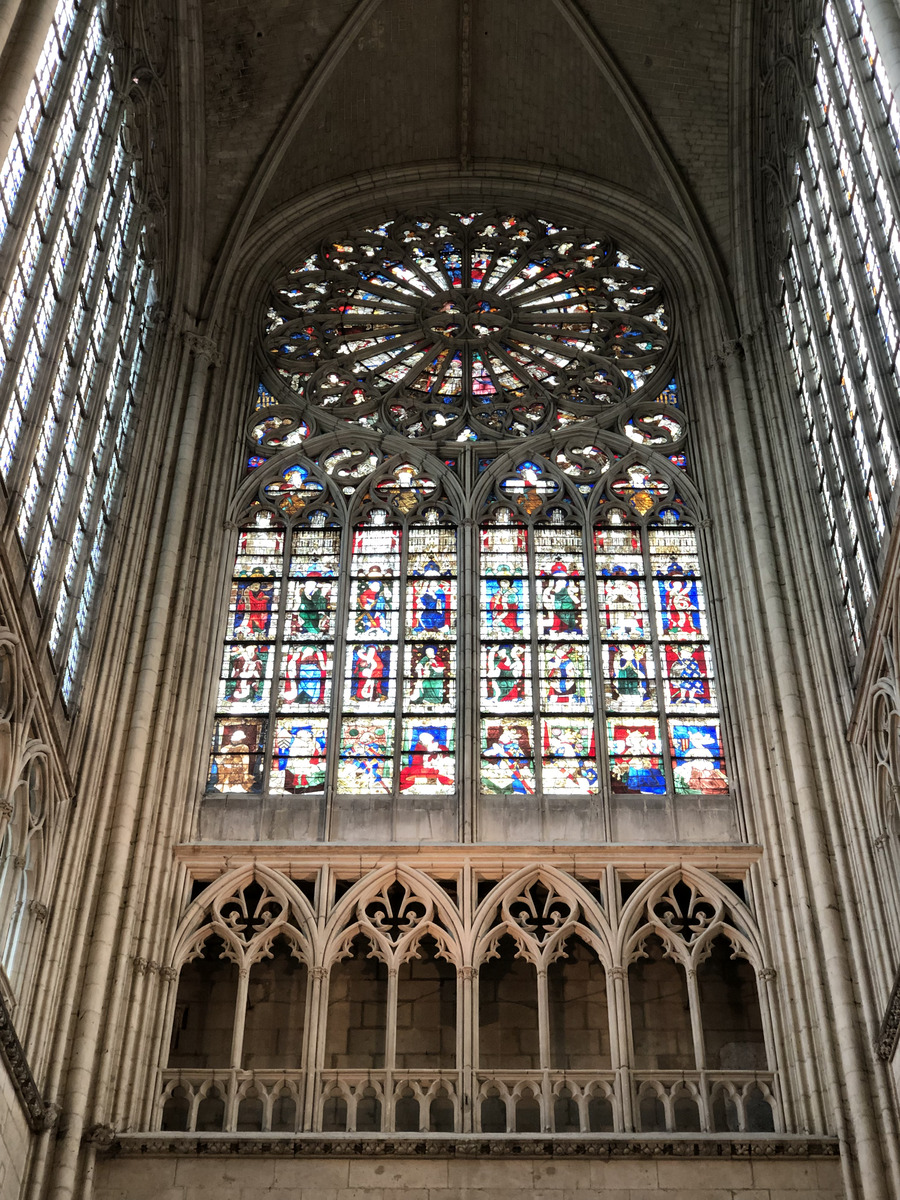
x: 698, y: 765
x: 252, y: 606
x: 238, y: 750
x: 406, y: 488
x: 246, y: 674
x: 565, y: 676
x: 505, y: 672
x: 294, y: 491
x: 427, y: 761
x: 430, y: 683
x: 370, y: 683
x: 306, y: 673
x: 678, y: 654
x: 505, y: 612
x: 373, y: 604
x: 507, y: 763
x: 680, y: 608
x: 569, y: 755
x: 561, y: 611
x: 366, y: 750
x: 431, y: 604
x: 630, y: 686
x: 687, y: 669
x: 635, y: 756
x: 640, y: 488
x: 299, y: 755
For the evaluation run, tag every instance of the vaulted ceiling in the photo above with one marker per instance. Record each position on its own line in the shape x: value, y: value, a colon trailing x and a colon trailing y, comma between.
x: 300, y: 95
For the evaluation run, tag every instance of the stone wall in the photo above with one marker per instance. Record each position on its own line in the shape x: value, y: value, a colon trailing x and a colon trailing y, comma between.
x: 799, y: 1171
x: 14, y: 1138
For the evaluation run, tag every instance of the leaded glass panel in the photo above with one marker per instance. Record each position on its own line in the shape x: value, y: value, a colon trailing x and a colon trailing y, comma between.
x: 460, y: 618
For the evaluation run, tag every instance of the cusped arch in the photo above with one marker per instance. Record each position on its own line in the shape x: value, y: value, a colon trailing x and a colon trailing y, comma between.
x: 195, y: 927
x: 492, y: 920
x: 440, y: 918
x: 729, y: 916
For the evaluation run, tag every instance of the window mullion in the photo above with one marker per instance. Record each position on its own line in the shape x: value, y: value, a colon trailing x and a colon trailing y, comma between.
x: 825, y: 347
x: 468, y: 684
x: 66, y: 537
x: 30, y: 407
x: 597, y: 678
x: 654, y: 620
x: 109, y: 361
x: 341, y: 673
x: 863, y: 187
x: 877, y: 119
x: 829, y: 449
x: 55, y: 355
x: 39, y: 158
x: 399, y: 648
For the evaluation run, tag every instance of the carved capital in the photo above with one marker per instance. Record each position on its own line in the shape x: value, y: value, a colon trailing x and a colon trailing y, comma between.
x: 203, y: 347
x: 618, y: 973
x: 141, y: 965
x: 38, y: 910
x: 881, y: 840
x: 730, y: 348
x: 6, y: 809
x: 319, y: 972
x: 467, y: 973
x: 168, y: 974
x: 767, y: 974
x: 19, y: 862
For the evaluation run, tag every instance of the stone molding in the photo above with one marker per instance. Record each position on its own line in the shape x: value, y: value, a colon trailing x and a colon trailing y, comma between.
x: 40, y: 1116
x: 476, y: 1145
x: 889, y: 1033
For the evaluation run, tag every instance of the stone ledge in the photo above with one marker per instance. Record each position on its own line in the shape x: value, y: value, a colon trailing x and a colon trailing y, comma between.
x: 602, y: 1146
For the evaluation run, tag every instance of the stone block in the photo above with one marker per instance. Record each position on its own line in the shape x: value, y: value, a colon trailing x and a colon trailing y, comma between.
x: 224, y: 1175
x: 407, y: 1172
x: 623, y: 1175
x: 785, y: 1176
x: 481, y: 1174
x: 312, y: 1174
x: 829, y: 1176
x: 568, y: 1176
x: 704, y: 1172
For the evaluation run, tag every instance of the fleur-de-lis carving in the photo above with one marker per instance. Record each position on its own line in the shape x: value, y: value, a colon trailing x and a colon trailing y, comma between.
x: 539, y: 911
x: 684, y: 912
x: 252, y: 910
x: 394, y: 911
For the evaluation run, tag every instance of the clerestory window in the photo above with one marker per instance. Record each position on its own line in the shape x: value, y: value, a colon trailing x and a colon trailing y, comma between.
x: 76, y: 289
x: 841, y: 280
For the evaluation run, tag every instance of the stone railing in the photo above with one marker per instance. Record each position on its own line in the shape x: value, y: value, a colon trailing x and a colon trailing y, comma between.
x: 584, y: 1102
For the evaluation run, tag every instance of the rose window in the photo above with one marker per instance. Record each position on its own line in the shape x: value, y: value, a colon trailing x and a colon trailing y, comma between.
x: 463, y: 327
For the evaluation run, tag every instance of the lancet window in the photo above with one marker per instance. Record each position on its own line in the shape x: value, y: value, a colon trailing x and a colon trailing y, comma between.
x: 842, y: 284
x: 421, y: 605
x: 73, y: 317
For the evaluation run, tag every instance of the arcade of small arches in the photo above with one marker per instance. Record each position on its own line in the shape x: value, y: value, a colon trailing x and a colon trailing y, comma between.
x: 539, y: 1002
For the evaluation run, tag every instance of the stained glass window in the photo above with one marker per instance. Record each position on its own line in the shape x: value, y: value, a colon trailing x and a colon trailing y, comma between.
x: 451, y: 614
x: 467, y: 326
x: 843, y: 295
x: 73, y: 324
